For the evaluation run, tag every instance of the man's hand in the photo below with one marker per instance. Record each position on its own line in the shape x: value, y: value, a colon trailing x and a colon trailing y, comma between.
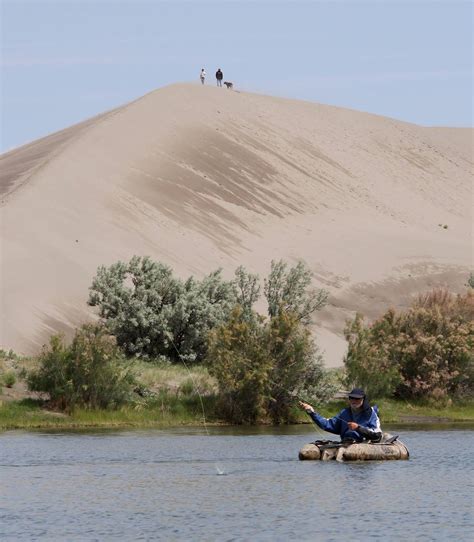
x: 352, y: 425
x: 306, y: 407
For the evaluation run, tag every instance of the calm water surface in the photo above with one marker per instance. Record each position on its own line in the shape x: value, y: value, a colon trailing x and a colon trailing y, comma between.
x: 167, y: 485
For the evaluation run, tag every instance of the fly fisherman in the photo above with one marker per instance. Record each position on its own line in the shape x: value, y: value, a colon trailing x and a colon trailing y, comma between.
x: 356, y: 423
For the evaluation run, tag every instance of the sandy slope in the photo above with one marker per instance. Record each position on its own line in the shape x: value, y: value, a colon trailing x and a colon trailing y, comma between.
x: 200, y: 178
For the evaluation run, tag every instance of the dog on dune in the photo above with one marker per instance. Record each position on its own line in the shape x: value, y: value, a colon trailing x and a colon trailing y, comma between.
x: 228, y: 84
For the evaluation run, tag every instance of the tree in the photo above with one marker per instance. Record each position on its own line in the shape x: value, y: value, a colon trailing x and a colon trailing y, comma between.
x: 247, y: 289
x: 238, y: 359
x: 152, y: 313
x: 263, y: 365
x: 288, y: 291
x: 296, y: 365
x: 369, y: 364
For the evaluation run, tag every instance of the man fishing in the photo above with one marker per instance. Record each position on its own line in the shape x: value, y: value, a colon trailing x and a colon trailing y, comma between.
x: 356, y: 423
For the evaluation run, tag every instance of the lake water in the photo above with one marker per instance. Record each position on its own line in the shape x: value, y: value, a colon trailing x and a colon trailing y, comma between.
x: 234, y: 484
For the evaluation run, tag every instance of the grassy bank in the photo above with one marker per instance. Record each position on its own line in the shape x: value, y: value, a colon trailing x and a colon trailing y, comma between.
x: 169, y: 410
x: 166, y: 397
x: 165, y: 411
x: 170, y: 399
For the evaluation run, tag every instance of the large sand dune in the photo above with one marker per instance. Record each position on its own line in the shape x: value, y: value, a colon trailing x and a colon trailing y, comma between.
x: 200, y: 178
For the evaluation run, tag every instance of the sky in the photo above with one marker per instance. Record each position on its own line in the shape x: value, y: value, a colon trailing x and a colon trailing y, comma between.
x: 64, y: 61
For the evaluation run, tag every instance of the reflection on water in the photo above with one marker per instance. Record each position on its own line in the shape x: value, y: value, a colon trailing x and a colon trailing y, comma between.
x: 236, y: 484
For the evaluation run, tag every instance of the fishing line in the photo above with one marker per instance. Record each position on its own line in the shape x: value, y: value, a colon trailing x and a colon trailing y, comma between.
x: 290, y: 393
x: 194, y: 386
x: 220, y: 472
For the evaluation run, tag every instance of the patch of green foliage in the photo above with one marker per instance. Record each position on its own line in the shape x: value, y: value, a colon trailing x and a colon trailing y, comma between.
x: 91, y: 372
x: 9, y: 379
x: 263, y: 364
x: 153, y: 314
x: 159, y: 376
x: 288, y: 291
x: 424, y: 352
x: 26, y: 413
x: 164, y: 410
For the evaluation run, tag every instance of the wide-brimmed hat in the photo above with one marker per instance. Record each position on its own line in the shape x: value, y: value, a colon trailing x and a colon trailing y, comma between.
x: 357, y: 393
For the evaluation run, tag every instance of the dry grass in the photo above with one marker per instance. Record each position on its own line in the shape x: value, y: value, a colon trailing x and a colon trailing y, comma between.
x: 160, y: 377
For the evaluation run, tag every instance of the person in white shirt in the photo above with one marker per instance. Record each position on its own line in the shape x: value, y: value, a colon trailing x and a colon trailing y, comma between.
x: 202, y: 75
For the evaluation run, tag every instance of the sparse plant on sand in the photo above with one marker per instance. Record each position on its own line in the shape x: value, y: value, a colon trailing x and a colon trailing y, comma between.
x: 9, y: 379
x: 289, y: 291
x: 470, y: 281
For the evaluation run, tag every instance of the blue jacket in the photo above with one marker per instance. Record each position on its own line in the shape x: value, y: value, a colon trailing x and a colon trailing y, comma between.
x: 368, y: 420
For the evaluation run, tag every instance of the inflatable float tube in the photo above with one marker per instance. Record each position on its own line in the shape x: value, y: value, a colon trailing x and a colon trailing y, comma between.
x: 389, y: 448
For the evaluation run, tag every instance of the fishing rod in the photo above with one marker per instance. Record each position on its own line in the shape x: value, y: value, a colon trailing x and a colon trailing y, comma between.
x: 291, y: 393
x: 296, y: 396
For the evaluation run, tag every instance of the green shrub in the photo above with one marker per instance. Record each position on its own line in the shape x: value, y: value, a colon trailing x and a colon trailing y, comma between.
x: 238, y: 360
x: 262, y: 366
x: 424, y: 352
x: 154, y: 314
x: 10, y: 355
x: 91, y: 372
x: 9, y: 379
x: 187, y: 387
x: 296, y: 366
x: 247, y: 290
x: 368, y: 362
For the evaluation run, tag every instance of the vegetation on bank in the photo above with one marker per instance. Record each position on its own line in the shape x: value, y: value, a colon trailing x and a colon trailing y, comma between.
x: 173, y: 401
x: 171, y: 352
x: 163, y: 395
x: 426, y: 352
x: 260, y: 363
x: 171, y: 411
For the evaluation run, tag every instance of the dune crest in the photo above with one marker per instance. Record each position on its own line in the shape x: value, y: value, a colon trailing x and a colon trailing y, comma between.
x: 201, y: 178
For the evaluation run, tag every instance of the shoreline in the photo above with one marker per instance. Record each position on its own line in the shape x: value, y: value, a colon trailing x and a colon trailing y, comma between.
x: 29, y: 415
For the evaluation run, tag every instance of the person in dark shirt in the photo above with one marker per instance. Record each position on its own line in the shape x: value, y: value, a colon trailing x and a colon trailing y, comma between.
x: 219, y: 77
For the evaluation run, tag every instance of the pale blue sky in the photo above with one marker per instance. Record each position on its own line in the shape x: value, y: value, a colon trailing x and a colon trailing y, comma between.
x: 64, y: 61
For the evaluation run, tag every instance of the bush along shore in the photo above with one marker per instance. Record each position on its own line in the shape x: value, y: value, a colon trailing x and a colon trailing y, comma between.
x: 168, y: 352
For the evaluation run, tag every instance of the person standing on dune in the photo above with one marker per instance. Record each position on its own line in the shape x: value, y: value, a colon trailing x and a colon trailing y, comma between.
x: 202, y: 76
x: 219, y: 77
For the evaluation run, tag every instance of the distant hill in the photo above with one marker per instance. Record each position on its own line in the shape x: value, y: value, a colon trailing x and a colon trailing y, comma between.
x: 201, y: 178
